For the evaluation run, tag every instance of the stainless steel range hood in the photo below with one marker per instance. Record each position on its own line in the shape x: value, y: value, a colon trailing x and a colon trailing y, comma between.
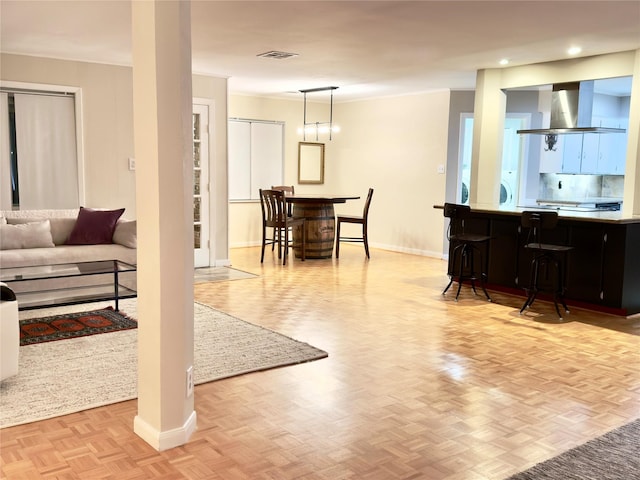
x: 571, y: 111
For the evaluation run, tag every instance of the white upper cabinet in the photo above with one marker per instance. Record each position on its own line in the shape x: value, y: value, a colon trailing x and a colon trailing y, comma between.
x: 551, y: 159
x: 572, y: 154
x: 592, y: 153
x: 612, y: 149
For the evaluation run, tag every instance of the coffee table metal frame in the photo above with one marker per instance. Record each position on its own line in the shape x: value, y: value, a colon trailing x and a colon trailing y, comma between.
x: 51, y: 296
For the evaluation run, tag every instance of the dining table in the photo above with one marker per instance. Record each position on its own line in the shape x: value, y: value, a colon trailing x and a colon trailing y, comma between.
x: 320, y: 220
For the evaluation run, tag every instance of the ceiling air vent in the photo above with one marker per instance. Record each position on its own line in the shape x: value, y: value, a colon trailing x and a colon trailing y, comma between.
x: 277, y: 55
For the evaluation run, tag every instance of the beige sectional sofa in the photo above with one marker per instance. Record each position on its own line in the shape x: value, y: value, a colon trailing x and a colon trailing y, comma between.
x: 37, y: 224
x: 41, y: 237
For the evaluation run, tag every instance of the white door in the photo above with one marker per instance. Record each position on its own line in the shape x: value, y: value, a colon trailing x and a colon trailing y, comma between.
x: 513, y: 156
x: 201, y: 185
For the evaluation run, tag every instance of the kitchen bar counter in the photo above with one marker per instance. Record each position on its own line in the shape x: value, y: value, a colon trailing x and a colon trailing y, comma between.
x: 573, y: 213
x: 603, y: 269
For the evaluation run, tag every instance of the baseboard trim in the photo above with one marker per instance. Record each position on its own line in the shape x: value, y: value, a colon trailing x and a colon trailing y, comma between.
x: 168, y: 439
x: 411, y: 251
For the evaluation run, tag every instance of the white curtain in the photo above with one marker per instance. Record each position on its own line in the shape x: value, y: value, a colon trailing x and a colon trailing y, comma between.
x: 46, y: 145
x: 5, y: 154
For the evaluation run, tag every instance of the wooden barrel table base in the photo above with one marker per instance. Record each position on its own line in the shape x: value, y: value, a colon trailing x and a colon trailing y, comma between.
x: 320, y: 223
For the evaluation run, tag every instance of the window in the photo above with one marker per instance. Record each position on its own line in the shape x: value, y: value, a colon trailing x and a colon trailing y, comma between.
x: 256, y: 157
x: 39, y: 163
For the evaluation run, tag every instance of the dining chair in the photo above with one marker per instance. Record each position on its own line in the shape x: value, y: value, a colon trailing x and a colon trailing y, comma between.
x: 274, y: 215
x: 463, y: 247
x: 363, y: 220
x: 548, y: 264
x: 288, y: 190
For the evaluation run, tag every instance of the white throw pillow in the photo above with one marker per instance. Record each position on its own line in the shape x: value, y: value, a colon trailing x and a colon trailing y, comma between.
x: 125, y: 233
x: 26, y: 235
x: 61, y: 229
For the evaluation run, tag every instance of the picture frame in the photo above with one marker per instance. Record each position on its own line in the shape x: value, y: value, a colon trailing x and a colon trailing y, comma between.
x: 310, y: 163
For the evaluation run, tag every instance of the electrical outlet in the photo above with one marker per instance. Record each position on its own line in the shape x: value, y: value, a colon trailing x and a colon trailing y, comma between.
x: 132, y: 163
x: 189, y: 381
x: 440, y: 168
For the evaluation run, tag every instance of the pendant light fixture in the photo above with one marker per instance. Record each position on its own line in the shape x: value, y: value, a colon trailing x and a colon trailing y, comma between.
x: 318, y: 127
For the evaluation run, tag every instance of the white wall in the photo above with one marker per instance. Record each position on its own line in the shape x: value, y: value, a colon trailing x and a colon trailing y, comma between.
x: 391, y: 144
x: 394, y: 145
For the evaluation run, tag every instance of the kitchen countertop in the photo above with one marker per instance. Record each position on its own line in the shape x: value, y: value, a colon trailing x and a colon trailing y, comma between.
x: 582, y: 201
x: 605, y: 216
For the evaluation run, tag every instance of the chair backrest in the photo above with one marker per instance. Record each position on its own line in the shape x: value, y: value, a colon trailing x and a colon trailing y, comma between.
x: 538, y: 221
x: 285, y: 188
x: 274, y: 209
x: 288, y: 190
x: 456, y: 214
x: 367, y: 204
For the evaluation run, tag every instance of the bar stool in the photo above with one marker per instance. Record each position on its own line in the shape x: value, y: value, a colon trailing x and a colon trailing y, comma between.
x: 546, y: 257
x: 463, y: 247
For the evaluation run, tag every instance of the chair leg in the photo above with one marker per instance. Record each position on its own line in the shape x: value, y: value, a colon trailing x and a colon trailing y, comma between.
x: 338, y: 240
x: 463, y: 257
x: 285, y: 246
x: 264, y: 240
x: 279, y: 243
x: 448, y: 285
x: 559, y: 293
x: 452, y: 263
x: 365, y: 239
x: 533, y: 284
x: 471, y: 262
x: 482, y: 277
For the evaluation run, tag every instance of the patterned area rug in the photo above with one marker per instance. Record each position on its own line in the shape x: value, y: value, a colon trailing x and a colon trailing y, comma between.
x: 57, y: 378
x: 612, y: 456
x: 72, y: 325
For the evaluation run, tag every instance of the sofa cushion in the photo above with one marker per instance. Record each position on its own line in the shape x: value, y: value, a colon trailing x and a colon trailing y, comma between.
x: 94, y: 227
x: 61, y: 228
x: 26, y: 235
x: 66, y: 254
x: 125, y: 233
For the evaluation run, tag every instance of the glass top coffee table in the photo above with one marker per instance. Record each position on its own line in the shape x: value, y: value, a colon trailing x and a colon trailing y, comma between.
x: 70, y: 283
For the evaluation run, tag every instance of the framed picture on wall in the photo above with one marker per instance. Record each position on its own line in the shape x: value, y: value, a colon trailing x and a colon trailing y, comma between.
x: 310, y: 162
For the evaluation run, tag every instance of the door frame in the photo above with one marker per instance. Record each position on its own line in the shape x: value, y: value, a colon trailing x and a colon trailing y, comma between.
x: 203, y: 258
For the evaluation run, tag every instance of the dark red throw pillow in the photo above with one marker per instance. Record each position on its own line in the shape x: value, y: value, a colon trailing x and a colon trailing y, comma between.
x: 94, y: 227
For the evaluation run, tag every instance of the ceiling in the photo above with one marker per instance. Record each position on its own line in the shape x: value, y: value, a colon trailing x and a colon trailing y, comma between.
x: 367, y: 48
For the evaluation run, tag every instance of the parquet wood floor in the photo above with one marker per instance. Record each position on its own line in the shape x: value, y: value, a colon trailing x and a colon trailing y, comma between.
x: 416, y: 386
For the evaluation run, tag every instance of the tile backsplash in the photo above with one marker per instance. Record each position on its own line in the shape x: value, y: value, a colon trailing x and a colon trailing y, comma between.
x: 554, y: 186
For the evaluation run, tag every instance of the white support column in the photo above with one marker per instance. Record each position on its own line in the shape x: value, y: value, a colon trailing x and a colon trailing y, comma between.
x: 631, y: 200
x: 488, y: 131
x: 163, y: 148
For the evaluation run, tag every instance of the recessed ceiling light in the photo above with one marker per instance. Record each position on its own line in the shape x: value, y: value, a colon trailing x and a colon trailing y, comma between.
x: 574, y: 50
x: 504, y: 61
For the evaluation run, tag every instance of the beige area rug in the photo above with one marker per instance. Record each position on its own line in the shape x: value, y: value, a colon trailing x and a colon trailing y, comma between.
x: 66, y: 376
